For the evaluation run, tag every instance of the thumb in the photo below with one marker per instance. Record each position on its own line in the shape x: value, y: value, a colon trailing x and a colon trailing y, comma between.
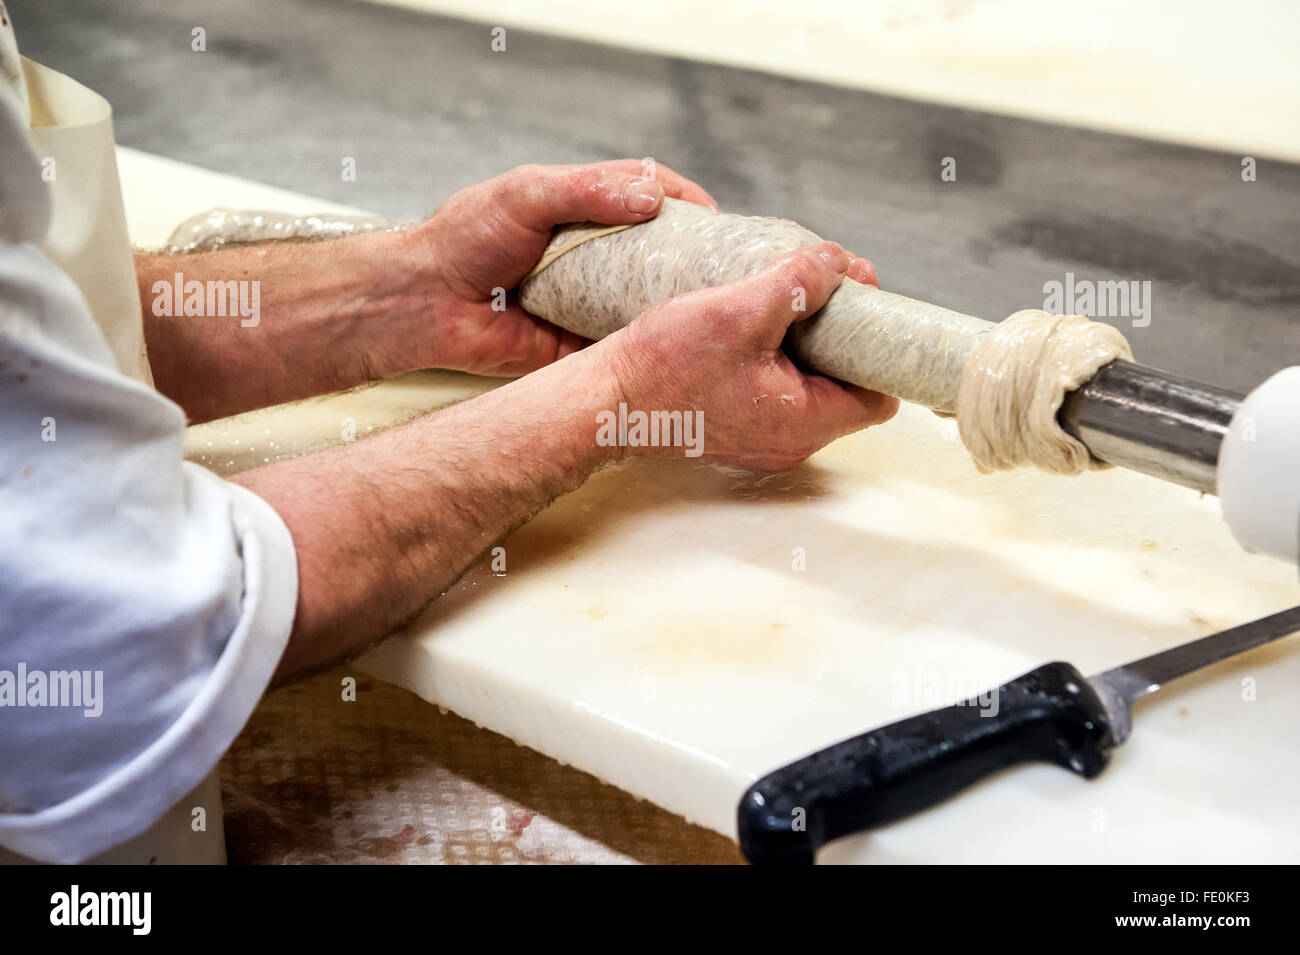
x: 542, y: 197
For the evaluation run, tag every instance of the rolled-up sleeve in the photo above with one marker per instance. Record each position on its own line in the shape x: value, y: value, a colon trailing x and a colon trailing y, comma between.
x: 144, y: 602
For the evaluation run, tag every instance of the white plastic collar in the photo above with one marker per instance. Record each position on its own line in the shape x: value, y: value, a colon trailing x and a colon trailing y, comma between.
x: 1259, y: 468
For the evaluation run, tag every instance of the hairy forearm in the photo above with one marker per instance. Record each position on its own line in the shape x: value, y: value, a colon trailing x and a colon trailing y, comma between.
x: 306, y: 327
x: 384, y: 525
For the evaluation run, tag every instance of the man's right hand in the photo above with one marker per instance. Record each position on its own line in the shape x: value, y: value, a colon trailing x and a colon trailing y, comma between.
x: 382, y: 526
x: 719, y: 351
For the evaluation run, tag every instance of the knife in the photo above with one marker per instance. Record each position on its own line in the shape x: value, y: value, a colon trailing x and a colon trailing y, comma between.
x: 1052, y: 714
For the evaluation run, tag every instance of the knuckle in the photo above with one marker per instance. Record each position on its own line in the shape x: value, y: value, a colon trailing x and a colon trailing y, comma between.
x: 528, y: 172
x: 504, y: 188
x: 656, y: 314
x: 527, y: 180
x: 723, y: 310
x: 462, y: 199
x: 586, y: 180
x: 512, y: 182
x: 709, y: 308
x: 802, y: 271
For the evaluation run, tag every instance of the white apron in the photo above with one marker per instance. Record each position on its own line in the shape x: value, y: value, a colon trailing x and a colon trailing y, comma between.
x: 73, y: 131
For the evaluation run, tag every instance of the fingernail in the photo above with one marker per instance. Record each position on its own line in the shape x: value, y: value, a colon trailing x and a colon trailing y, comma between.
x: 642, y: 195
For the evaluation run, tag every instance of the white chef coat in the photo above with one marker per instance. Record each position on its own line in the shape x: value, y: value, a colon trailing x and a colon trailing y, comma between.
x: 172, y: 589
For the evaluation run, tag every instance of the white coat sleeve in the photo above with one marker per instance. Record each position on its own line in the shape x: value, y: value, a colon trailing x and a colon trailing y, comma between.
x: 144, y: 602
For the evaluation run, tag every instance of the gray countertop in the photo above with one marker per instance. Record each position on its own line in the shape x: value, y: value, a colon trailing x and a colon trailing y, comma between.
x: 287, y: 90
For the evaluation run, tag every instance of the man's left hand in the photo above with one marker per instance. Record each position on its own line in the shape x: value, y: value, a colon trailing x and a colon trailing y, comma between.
x: 487, y: 237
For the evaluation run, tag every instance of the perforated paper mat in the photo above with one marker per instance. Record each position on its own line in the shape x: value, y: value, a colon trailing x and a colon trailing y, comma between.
x: 390, y: 779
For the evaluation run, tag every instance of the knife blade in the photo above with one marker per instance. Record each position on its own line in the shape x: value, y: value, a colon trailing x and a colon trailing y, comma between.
x: 1050, y: 714
x: 1120, y: 686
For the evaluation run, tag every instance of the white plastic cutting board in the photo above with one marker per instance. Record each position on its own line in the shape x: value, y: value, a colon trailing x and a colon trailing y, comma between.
x: 652, y: 627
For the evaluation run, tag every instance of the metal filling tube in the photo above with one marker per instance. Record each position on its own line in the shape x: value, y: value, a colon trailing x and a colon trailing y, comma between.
x: 1148, y: 420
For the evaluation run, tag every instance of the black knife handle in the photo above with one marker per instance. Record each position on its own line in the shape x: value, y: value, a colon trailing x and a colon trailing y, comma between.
x: 1050, y: 714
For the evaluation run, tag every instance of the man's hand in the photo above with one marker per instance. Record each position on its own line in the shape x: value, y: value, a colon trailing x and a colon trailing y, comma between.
x: 385, y: 524
x: 485, y: 238
x: 336, y: 314
x: 719, y: 351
